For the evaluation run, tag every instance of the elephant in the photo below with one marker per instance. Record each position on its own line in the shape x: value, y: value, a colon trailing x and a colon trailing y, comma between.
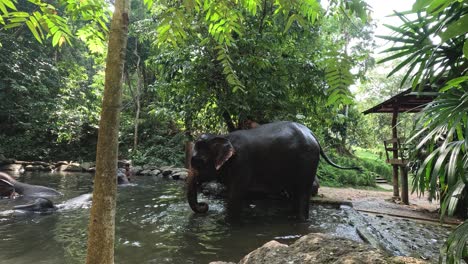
x: 272, y: 158
x: 41, y: 205
x: 122, y: 177
x: 9, y: 186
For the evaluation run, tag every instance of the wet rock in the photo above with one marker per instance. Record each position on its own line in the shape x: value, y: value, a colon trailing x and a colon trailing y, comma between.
x: 179, y: 174
x: 320, y: 248
x: 136, y: 170
x: 87, y: 166
x: 167, y: 170
x: 145, y: 172
x: 74, y: 167
x: 11, y: 167
x: 62, y: 162
x: 36, y: 168
x: 154, y: 172
x: 268, y: 253
x: 61, y: 167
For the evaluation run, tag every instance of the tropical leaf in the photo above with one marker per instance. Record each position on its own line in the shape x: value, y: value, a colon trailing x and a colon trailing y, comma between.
x: 457, y: 28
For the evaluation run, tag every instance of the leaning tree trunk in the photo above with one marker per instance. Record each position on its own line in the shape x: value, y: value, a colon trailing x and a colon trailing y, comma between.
x: 137, y: 97
x: 101, y: 230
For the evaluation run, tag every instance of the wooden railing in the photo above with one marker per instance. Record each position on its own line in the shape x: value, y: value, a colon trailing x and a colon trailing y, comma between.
x: 396, y: 145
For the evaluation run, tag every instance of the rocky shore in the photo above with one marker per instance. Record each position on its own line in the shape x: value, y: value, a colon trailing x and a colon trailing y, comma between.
x: 318, y: 248
x: 12, y: 165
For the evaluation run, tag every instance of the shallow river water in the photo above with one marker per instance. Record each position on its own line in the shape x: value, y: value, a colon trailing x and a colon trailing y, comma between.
x: 154, y: 224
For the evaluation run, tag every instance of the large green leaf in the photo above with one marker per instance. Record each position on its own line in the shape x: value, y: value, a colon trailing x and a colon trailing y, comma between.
x: 457, y: 28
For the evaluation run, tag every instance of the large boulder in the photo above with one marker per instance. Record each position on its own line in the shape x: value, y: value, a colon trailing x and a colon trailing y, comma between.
x: 74, y: 167
x: 136, y: 170
x: 145, y: 172
x: 179, y: 174
x: 154, y: 172
x: 88, y: 166
x: 36, y: 168
x: 167, y: 170
x: 321, y: 248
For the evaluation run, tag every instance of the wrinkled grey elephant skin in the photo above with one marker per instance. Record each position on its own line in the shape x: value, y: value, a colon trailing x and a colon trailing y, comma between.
x: 8, y: 183
x: 41, y: 205
x: 272, y: 158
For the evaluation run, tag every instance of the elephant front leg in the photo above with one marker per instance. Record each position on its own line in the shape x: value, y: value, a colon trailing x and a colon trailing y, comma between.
x: 234, y: 206
x: 236, y: 193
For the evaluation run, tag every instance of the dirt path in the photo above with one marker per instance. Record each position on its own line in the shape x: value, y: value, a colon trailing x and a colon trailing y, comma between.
x: 380, y: 202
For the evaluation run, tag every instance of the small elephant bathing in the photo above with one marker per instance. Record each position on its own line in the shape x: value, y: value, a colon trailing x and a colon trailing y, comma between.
x: 271, y: 158
x: 9, y: 186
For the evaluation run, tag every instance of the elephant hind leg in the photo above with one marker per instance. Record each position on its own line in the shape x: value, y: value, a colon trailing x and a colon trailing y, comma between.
x: 301, y: 201
x: 303, y: 191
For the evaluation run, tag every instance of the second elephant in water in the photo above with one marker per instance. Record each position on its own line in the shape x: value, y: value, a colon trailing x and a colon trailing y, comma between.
x: 40, y: 205
x: 9, y: 186
x: 273, y: 158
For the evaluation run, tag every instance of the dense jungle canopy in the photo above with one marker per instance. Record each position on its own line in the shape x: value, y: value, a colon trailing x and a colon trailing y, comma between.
x: 196, y: 66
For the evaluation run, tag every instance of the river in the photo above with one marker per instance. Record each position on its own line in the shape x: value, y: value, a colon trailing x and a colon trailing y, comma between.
x: 154, y: 224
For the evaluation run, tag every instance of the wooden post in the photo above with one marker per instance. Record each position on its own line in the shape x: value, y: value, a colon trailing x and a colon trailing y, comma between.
x: 404, y: 184
x: 188, y: 153
x: 396, y: 192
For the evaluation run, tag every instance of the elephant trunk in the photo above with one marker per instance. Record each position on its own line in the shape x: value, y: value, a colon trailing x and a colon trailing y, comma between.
x: 192, y: 193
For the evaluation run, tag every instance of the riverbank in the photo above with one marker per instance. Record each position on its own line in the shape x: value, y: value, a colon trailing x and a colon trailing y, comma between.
x: 393, y: 232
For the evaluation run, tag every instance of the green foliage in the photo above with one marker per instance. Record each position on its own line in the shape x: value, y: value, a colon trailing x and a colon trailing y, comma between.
x: 456, y: 246
x: 426, y: 60
x: 374, y: 161
x: 442, y: 129
x: 161, y: 142
x: 47, y: 98
x: 226, y: 25
x: 331, y: 176
x: 52, y: 20
x: 376, y: 127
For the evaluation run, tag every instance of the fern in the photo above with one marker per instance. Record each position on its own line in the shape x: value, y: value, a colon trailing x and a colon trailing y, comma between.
x: 339, y: 78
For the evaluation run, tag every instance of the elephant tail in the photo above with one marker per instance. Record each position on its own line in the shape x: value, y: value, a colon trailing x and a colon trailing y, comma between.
x: 335, y: 165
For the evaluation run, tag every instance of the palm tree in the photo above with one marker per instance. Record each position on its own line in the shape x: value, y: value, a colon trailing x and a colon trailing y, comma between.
x: 434, y: 49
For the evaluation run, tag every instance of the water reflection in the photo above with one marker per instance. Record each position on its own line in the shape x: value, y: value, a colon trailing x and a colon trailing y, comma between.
x: 154, y: 224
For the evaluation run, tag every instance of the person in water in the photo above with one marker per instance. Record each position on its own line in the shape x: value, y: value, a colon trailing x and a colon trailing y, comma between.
x: 128, y: 172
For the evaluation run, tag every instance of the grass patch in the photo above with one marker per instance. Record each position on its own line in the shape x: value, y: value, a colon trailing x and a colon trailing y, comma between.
x: 371, y: 163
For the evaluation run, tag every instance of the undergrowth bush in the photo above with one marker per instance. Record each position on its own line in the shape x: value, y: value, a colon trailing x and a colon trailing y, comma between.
x: 161, y: 151
x: 331, y: 176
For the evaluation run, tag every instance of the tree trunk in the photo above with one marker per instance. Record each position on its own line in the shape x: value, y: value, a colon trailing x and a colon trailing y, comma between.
x: 101, y: 229
x: 137, y: 97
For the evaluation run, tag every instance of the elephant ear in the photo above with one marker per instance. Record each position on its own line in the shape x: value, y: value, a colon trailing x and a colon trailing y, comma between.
x: 222, y: 150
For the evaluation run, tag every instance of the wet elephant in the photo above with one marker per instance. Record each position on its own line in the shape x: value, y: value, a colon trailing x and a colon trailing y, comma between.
x: 41, y: 205
x: 9, y: 186
x: 276, y: 157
